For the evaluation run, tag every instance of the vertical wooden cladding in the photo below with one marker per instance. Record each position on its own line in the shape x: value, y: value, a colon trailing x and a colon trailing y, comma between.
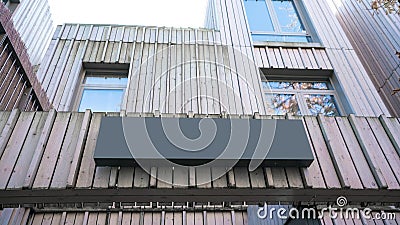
x: 17, y: 216
x: 349, y: 72
x: 179, y: 216
x: 292, y: 58
x: 15, y: 88
x: 375, y: 37
x: 49, y: 150
x: 170, y: 70
x: 32, y: 20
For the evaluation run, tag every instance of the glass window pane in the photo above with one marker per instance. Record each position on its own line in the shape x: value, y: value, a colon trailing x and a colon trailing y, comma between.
x: 282, y: 85
x: 324, y: 104
x: 292, y: 85
x: 313, y: 86
x: 288, y: 18
x: 101, y: 100
x: 258, y: 16
x: 280, y: 104
x: 108, y: 79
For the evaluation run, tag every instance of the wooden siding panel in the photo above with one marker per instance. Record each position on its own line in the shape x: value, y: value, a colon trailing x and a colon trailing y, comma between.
x: 374, y: 37
x: 68, y: 162
x: 87, y: 165
x: 245, y: 84
x: 51, y: 152
x: 373, y: 153
x: 14, y: 145
x: 293, y: 58
x: 35, y: 32
x: 337, y: 148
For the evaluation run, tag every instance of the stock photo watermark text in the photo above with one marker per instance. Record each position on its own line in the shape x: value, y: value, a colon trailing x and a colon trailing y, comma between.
x: 340, y: 210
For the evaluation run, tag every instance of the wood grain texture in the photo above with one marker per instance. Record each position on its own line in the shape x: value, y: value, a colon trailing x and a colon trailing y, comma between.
x: 370, y: 156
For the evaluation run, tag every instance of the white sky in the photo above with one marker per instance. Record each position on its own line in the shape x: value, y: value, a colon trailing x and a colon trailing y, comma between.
x: 177, y: 13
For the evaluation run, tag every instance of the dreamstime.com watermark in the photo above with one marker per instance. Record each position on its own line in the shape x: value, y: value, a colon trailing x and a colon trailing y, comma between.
x: 341, y: 212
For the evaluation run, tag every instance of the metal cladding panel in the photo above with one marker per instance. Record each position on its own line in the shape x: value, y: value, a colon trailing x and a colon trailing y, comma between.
x: 149, y: 141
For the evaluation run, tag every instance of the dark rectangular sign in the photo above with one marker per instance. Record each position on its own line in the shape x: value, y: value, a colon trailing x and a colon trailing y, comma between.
x: 152, y: 141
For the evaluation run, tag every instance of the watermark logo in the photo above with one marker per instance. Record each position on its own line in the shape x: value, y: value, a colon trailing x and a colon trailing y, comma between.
x: 342, y: 211
x: 341, y: 201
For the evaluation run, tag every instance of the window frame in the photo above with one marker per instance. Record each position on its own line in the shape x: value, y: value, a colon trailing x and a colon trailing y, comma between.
x: 83, y: 86
x: 275, y: 23
x: 299, y: 94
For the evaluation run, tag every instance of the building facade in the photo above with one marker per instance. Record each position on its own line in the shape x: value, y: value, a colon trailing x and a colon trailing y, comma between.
x: 291, y: 61
x: 32, y: 20
x: 375, y: 37
x: 20, y: 87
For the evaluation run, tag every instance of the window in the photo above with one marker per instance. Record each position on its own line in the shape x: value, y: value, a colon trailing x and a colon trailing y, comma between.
x: 276, y: 20
x: 300, y: 97
x: 102, y: 92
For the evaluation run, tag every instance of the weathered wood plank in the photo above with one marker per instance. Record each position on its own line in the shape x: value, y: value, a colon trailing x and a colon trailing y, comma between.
x: 294, y: 177
x: 241, y: 177
x: 218, y: 175
x: 373, y: 153
x: 125, y: 177
x: 87, y: 165
x: 180, y: 177
x: 391, y: 155
x: 101, y: 177
x: 21, y: 167
x: 257, y: 179
x: 12, y: 150
x: 137, y: 218
x: 321, y: 152
x: 392, y: 127
x: 51, y: 152
x: 356, y: 153
x: 7, y: 129
x: 39, y: 150
x: 141, y: 178
x: 78, y: 151
x: 62, y: 168
x: 203, y: 177
x: 341, y: 158
x: 164, y: 177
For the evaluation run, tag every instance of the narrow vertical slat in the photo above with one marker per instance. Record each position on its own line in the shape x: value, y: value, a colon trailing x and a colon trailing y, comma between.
x: 51, y: 152
x: 203, y: 177
x: 39, y: 150
x: 62, y: 167
x: 164, y: 176
x: 361, y: 164
x: 321, y: 151
x: 373, y: 153
x: 87, y: 165
x: 7, y: 129
x: 125, y: 177
x: 257, y: 179
x: 341, y: 158
x: 141, y: 178
x: 78, y: 151
x: 14, y: 146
